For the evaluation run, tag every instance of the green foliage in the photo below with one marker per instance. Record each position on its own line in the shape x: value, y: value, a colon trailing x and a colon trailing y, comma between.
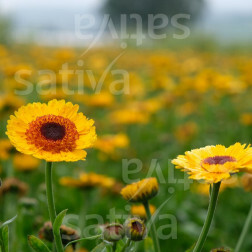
x: 37, y: 244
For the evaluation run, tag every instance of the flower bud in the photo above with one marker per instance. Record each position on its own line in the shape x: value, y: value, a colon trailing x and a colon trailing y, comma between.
x: 113, y: 232
x: 135, y: 229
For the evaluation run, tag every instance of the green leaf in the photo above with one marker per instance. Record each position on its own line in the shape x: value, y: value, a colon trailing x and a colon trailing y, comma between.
x: 148, y: 245
x: 5, y: 238
x: 58, y: 221
x: 100, y: 248
x: 36, y: 244
x: 83, y: 239
x: 8, y: 222
x: 120, y: 245
x: 191, y: 248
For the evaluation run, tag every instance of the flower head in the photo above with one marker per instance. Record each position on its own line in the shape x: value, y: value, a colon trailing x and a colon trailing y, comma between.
x: 13, y: 185
x: 140, y: 191
x: 53, y: 131
x: 247, y: 182
x: 88, y: 181
x: 113, y: 232
x: 139, y: 211
x: 67, y: 234
x: 214, y: 163
x: 135, y: 229
x: 25, y: 163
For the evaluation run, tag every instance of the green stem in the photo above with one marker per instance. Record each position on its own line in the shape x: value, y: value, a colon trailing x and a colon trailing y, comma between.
x: 244, y: 231
x: 51, y: 205
x: 210, y: 213
x: 152, y: 227
x: 127, y: 244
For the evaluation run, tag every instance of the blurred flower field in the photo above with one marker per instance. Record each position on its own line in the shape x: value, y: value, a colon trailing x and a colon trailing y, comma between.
x: 168, y: 102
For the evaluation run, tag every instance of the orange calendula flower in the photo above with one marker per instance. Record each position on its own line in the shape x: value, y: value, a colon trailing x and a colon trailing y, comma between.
x: 140, y: 191
x: 88, y: 181
x: 53, y: 132
x: 215, y: 163
x: 139, y: 211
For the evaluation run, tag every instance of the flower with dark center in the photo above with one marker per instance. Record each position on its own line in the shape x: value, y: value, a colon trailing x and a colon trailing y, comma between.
x: 135, y: 229
x: 215, y: 163
x: 53, y: 132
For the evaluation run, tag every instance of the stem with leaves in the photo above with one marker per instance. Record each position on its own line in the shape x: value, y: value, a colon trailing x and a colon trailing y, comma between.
x: 51, y: 205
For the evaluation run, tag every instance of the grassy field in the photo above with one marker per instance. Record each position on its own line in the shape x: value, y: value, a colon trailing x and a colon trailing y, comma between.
x: 148, y: 106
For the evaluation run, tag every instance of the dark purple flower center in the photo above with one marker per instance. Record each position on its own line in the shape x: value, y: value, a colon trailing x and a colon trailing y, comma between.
x: 53, y: 131
x: 137, y: 226
x: 218, y: 160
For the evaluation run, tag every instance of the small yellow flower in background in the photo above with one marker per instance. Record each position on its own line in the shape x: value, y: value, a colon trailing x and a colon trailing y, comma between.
x: 10, y: 102
x: 100, y: 100
x: 246, y: 119
x: 23, y: 162
x: 214, y: 163
x: 247, y: 182
x: 186, y: 131
x: 129, y: 116
x: 109, y: 143
x: 141, y: 191
x: 139, y: 211
x: 88, y: 181
x: 203, y: 189
x: 53, y: 132
x: 5, y: 149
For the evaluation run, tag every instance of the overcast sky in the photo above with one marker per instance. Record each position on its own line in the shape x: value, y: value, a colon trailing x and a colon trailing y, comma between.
x: 223, y: 6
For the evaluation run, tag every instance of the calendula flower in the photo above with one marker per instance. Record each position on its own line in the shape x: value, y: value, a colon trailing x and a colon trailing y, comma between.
x: 24, y: 163
x: 214, y: 163
x: 13, y: 185
x: 140, y: 191
x: 109, y: 143
x: 139, y: 211
x: 203, y: 188
x: 53, y: 132
x: 247, y: 182
x: 6, y: 149
x: 88, y: 181
x: 129, y: 116
x: 113, y: 232
x: 67, y: 234
x: 135, y: 229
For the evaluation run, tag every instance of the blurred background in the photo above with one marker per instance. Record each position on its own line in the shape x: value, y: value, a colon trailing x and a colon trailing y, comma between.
x: 47, y: 22
x: 183, y: 94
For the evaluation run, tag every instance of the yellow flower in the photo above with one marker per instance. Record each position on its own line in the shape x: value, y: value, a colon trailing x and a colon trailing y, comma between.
x: 203, y: 189
x: 23, y: 162
x: 108, y: 143
x: 247, y: 182
x: 139, y: 210
x: 140, y: 191
x: 214, y: 163
x: 129, y: 116
x: 10, y: 102
x: 54, y: 131
x: 135, y: 229
x: 246, y: 119
x: 100, y: 100
x: 5, y: 149
x: 87, y: 181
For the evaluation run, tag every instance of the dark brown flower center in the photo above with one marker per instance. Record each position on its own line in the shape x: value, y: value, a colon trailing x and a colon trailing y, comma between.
x: 137, y: 226
x: 53, y: 131
x: 218, y: 160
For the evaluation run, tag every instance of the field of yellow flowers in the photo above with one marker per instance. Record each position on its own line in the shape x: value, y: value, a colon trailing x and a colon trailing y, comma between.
x: 141, y: 109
